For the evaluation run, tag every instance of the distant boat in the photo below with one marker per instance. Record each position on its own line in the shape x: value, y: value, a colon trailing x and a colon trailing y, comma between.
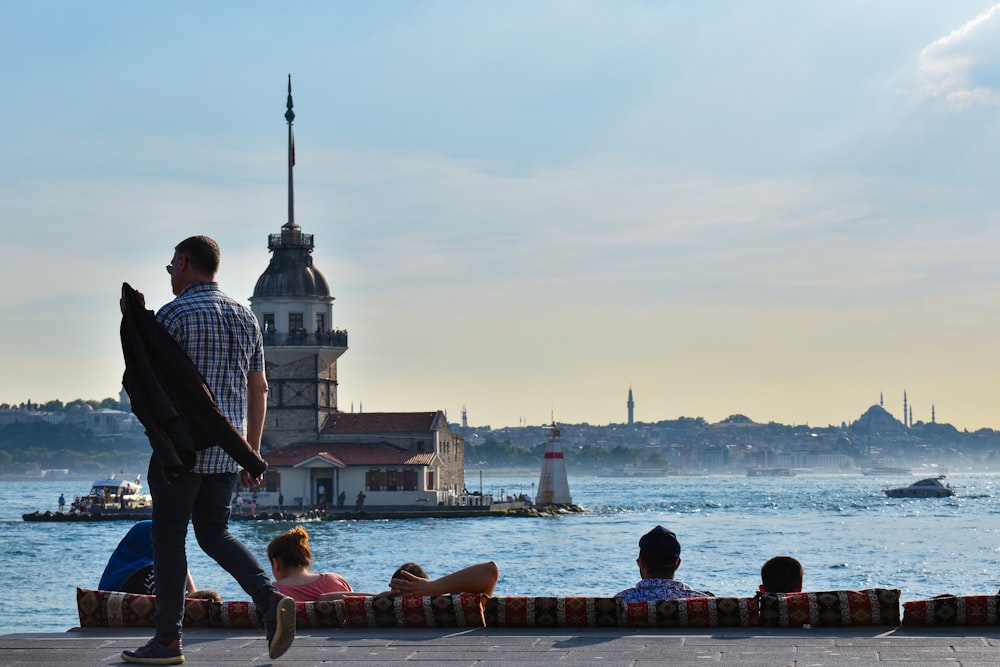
x: 931, y: 487
x: 880, y: 469
x: 636, y: 471
x: 770, y: 472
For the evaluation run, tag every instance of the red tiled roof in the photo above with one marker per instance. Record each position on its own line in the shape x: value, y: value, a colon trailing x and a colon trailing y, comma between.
x: 347, y: 454
x: 368, y: 422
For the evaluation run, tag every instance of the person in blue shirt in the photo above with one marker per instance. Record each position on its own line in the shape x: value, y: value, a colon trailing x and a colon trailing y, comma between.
x: 130, y: 568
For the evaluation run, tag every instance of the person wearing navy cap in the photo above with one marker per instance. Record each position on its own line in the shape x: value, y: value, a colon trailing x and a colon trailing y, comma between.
x: 659, y: 557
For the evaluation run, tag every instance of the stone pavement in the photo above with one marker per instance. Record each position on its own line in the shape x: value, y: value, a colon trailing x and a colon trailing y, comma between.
x: 495, y: 647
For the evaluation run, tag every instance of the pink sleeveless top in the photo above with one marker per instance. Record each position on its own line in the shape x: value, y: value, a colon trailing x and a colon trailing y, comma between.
x: 328, y: 582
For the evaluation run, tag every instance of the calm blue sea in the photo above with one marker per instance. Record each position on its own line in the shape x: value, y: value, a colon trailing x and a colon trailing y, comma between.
x: 843, y: 529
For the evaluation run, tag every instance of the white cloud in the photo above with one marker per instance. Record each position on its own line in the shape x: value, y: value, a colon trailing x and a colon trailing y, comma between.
x: 949, y: 67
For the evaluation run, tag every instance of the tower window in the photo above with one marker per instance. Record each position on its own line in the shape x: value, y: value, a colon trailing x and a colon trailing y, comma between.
x: 320, y: 322
x: 294, y: 322
x: 268, y: 321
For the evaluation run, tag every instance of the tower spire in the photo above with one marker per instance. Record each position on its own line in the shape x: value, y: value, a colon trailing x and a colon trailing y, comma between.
x: 290, y: 116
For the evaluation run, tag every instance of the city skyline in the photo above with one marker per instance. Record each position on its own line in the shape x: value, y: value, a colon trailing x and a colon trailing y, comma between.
x: 906, y: 409
x: 781, y: 211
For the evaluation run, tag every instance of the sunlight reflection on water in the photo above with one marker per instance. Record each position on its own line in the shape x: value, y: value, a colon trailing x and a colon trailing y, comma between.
x: 843, y: 529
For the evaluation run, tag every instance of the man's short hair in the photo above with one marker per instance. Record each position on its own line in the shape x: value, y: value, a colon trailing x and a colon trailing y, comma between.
x: 782, y: 574
x: 203, y: 253
x: 659, y: 550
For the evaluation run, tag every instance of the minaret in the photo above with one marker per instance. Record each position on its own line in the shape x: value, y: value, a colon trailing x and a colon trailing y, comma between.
x: 933, y: 416
x: 553, y: 486
x: 631, y: 408
x: 293, y: 305
x: 904, y: 410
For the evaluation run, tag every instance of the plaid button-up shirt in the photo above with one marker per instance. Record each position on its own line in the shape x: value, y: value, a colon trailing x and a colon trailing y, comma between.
x: 224, y: 341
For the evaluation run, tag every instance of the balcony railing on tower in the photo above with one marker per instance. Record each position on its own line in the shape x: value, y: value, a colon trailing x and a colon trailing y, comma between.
x: 290, y: 238
x: 335, y: 338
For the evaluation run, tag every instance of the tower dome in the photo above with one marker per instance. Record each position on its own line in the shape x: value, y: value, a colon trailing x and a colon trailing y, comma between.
x: 291, y: 273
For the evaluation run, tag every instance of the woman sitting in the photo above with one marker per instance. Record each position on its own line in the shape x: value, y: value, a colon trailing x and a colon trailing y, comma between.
x: 291, y: 556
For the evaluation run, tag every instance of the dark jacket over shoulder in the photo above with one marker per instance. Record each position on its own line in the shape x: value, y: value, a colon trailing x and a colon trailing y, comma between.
x: 170, y: 397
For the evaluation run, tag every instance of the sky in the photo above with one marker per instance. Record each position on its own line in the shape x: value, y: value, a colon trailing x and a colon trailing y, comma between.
x: 783, y: 210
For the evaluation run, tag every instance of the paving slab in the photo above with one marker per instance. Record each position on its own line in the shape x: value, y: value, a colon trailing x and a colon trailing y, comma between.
x: 524, y: 647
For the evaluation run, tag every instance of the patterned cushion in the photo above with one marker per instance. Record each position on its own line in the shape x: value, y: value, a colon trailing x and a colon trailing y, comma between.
x: 313, y: 614
x: 114, y: 609
x: 719, y: 612
x: 519, y: 611
x: 414, y: 611
x: 236, y: 614
x: 319, y: 614
x: 953, y: 610
x: 875, y: 606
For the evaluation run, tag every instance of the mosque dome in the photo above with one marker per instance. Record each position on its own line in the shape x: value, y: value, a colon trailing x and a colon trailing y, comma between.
x: 290, y: 272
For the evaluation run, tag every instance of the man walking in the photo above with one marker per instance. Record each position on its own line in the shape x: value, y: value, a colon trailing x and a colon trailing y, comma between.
x: 222, y: 338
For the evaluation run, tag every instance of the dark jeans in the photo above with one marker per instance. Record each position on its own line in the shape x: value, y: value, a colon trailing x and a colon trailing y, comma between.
x: 204, y: 501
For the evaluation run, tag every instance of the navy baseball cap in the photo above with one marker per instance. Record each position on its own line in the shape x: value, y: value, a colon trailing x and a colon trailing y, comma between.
x: 659, y: 547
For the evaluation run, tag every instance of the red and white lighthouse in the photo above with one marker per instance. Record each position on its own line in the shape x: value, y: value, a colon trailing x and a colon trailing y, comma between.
x: 553, y: 487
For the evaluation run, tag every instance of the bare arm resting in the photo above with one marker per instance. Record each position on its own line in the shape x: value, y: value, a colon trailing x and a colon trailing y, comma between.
x: 478, y: 578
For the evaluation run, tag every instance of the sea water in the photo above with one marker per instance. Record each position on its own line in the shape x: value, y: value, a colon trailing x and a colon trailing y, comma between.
x: 845, y: 531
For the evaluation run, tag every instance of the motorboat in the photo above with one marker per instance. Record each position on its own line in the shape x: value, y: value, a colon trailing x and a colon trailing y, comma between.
x: 109, y: 498
x: 931, y: 487
x: 121, y: 494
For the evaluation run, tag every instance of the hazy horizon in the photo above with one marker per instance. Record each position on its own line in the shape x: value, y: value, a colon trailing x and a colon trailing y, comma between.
x: 779, y: 210
x: 624, y: 422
